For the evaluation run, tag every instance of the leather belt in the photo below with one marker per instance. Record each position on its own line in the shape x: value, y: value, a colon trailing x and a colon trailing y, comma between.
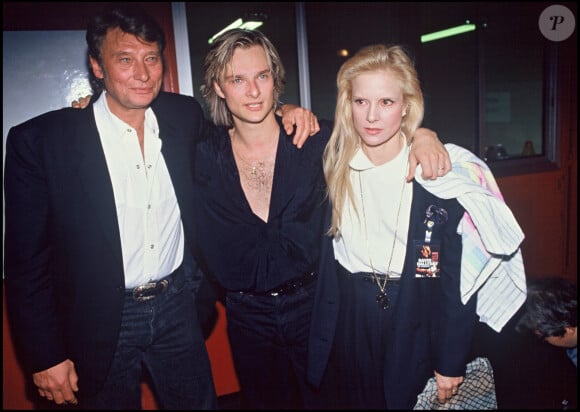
x: 368, y: 276
x: 371, y: 277
x: 285, y: 289
x: 151, y: 290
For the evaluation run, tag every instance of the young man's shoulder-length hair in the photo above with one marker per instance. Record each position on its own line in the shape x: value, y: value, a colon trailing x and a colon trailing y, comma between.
x: 216, y: 63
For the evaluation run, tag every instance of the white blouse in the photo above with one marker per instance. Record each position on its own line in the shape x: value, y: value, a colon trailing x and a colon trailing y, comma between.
x: 367, y: 233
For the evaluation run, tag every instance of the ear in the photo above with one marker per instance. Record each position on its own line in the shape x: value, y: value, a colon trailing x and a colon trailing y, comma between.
x: 571, y: 330
x: 97, y: 69
x: 218, y: 90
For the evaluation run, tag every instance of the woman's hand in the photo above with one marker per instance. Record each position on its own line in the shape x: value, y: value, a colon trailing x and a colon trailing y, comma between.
x: 447, y: 387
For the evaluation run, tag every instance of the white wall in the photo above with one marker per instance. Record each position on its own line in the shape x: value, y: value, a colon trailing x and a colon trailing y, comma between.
x: 42, y: 71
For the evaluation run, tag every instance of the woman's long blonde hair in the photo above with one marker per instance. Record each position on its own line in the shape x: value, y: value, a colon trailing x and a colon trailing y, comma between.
x: 344, y: 140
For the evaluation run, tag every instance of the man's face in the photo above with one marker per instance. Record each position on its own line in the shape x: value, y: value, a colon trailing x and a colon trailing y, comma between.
x: 132, y: 71
x: 248, y: 85
x: 569, y: 340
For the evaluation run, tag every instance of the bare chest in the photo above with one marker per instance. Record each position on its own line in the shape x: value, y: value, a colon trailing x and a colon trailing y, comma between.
x: 256, y: 179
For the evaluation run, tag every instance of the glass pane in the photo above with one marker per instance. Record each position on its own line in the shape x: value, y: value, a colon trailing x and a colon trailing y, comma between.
x: 448, y: 69
x: 484, y: 88
x: 204, y: 19
x: 513, y: 66
x: 335, y: 28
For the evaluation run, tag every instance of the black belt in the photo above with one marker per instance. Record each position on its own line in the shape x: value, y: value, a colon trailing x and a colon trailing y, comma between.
x: 151, y: 290
x: 373, y: 277
x: 368, y: 276
x: 285, y: 289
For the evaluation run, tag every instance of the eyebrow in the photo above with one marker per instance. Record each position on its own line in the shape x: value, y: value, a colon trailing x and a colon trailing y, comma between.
x: 354, y: 96
x: 231, y: 76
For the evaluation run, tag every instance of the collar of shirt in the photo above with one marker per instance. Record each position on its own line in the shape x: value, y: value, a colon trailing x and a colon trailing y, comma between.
x: 360, y: 162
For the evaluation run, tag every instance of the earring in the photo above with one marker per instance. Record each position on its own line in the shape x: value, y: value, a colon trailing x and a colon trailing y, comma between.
x: 404, y: 113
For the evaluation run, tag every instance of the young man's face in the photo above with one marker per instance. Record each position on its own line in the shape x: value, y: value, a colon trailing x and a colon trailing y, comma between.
x: 132, y: 71
x: 248, y: 85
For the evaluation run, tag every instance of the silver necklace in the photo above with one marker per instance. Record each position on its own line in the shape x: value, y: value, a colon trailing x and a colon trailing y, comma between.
x: 381, y: 297
x: 258, y: 174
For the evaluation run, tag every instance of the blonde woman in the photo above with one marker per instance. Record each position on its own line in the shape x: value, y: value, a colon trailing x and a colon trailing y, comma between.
x: 386, y: 317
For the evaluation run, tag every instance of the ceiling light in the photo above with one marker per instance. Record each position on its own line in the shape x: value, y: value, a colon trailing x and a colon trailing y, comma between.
x: 452, y: 31
x: 251, y: 25
x: 251, y: 21
x: 234, y: 25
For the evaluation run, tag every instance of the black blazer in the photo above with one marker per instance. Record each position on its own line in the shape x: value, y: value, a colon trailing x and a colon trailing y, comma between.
x: 63, y: 266
x: 432, y: 329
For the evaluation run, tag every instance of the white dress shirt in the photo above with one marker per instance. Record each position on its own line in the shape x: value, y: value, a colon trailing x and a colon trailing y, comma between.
x: 148, y: 215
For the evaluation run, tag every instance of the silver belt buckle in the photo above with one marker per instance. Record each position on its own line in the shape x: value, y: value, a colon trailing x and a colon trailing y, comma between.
x: 140, y: 292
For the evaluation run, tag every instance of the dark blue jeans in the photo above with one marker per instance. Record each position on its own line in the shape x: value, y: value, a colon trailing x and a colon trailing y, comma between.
x: 164, y: 337
x: 269, y: 339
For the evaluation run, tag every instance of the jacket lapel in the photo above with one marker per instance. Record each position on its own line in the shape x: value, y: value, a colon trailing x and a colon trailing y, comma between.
x: 177, y: 150
x: 94, y: 175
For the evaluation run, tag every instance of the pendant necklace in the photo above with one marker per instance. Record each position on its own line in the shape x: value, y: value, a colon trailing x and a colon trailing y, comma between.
x: 256, y: 174
x: 382, y: 298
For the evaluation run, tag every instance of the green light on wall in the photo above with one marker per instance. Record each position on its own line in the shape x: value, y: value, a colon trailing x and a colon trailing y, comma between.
x: 453, y: 31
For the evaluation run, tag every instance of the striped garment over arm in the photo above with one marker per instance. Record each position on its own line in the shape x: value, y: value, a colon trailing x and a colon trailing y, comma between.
x: 491, y: 263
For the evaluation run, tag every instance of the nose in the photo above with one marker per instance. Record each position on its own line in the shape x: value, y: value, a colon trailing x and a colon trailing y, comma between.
x: 372, y: 113
x: 141, y: 72
x: 253, y: 89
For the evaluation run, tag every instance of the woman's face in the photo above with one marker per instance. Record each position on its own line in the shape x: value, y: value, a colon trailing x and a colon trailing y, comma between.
x: 377, y: 110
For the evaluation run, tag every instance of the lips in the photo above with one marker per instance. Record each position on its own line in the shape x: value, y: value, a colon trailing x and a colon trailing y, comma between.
x: 254, y: 106
x: 143, y: 90
x: 373, y: 131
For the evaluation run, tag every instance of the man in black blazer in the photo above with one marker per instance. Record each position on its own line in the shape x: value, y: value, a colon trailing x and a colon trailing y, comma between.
x: 98, y: 271
x: 99, y: 274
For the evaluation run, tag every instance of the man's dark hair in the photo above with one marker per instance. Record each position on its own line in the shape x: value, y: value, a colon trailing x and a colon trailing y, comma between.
x: 550, y: 307
x: 130, y: 18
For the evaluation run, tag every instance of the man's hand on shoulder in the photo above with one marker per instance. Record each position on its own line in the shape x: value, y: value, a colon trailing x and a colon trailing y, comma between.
x: 304, y: 120
x: 81, y: 102
x: 430, y: 153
